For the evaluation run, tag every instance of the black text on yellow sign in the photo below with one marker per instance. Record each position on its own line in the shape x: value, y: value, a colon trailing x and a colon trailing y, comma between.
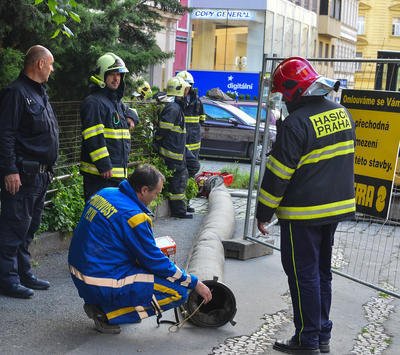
x: 372, y: 196
x: 377, y: 121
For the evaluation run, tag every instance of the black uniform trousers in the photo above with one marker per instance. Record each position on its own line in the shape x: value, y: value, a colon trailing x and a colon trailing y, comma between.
x: 306, y: 253
x: 94, y: 183
x: 192, y: 162
x: 177, y: 186
x: 19, y: 220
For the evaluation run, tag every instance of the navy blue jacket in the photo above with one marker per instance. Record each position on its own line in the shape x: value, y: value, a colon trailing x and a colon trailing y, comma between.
x: 29, y: 128
x: 106, y: 140
x: 309, y: 175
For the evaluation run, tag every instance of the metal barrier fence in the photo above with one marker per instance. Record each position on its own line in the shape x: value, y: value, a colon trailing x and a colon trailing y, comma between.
x: 367, y: 249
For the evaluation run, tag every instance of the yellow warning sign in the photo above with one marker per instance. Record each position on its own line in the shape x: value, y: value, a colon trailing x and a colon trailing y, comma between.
x: 377, y: 121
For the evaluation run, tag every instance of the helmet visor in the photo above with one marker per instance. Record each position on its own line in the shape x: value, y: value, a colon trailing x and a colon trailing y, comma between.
x: 321, y: 87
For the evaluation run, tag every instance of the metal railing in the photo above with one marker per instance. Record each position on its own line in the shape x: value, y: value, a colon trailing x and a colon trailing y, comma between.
x: 367, y: 249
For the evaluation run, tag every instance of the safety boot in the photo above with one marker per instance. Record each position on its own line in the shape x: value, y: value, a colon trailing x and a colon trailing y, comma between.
x: 100, y: 320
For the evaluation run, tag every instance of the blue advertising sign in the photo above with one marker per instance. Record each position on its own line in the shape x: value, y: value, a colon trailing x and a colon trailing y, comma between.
x: 235, y: 82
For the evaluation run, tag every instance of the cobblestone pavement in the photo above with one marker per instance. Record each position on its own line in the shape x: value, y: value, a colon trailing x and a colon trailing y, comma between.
x: 373, y: 338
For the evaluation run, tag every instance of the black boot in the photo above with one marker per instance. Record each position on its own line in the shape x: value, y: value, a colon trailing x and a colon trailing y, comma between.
x: 292, y: 347
x: 100, y: 320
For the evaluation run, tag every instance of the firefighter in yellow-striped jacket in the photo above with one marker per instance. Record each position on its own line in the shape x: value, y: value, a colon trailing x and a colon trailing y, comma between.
x: 194, y: 116
x: 309, y: 184
x: 170, y: 140
x: 115, y: 263
x: 106, y: 124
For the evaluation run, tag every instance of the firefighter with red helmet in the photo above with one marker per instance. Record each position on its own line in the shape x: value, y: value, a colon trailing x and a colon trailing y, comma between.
x: 309, y: 184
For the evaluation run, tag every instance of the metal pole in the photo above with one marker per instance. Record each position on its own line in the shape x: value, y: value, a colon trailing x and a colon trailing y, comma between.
x: 254, y: 157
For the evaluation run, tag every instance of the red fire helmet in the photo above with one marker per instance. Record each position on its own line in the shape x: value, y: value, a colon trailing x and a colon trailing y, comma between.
x: 295, y: 76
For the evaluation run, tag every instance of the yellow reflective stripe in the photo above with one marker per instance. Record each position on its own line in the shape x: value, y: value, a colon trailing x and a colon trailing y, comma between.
x: 117, y: 133
x: 279, y: 169
x: 328, y: 152
x: 120, y: 312
x: 193, y: 146
x: 93, y: 131
x: 170, y: 127
x: 109, y: 282
x: 176, y: 197
x: 139, y: 219
x: 166, y: 125
x: 167, y: 153
x: 192, y: 119
x: 99, y: 153
x: 296, y: 278
x: 318, y: 211
x: 269, y: 200
x: 174, y: 295
x: 202, y: 117
x: 91, y: 169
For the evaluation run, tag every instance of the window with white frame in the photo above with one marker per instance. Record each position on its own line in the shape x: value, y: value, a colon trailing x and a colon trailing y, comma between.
x: 361, y: 25
x: 396, y: 26
x: 358, y: 64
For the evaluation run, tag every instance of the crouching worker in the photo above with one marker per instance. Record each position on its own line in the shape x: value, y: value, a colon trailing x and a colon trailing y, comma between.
x: 114, y: 262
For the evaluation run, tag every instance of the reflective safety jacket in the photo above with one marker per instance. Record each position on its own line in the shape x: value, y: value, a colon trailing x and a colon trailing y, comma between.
x: 309, y: 174
x: 113, y: 257
x: 194, y: 115
x: 170, y: 135
x: 106, y: 139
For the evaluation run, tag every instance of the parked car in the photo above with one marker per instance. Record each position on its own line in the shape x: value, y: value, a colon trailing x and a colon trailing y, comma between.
x: 229, y: 132
x: 250, y: 107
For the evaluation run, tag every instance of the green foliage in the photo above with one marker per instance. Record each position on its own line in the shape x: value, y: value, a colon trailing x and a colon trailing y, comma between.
x: 66, y: 205
x: 10, y: 65
x: 60, y: 13
x: 241, y: 179
x: 192, y: 189
x: 127, y: 28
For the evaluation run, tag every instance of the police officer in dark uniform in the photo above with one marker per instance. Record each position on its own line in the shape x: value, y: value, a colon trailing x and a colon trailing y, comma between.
x: 106, y: 125
x: 309, y: 184
x: 170, y: 140
x: 28, y: 152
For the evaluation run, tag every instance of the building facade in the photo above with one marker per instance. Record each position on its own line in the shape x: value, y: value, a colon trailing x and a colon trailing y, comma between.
x: 378, y: 35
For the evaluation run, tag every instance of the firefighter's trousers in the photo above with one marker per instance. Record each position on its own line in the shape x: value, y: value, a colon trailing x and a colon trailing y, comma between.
x: 306, y: 253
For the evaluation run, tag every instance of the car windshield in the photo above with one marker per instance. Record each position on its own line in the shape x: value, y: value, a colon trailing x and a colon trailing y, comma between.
x: 252, y: 111
x: 222, y: 111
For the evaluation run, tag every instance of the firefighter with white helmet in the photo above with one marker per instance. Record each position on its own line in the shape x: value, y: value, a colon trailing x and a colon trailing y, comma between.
x: 194, y: 116
x: 106, y: 124
x: 170, y: 140
x: 142, y: 90
x: 309, y: 184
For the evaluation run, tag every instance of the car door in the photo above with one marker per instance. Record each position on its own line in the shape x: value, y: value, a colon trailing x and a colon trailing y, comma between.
x: 221, y: 133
